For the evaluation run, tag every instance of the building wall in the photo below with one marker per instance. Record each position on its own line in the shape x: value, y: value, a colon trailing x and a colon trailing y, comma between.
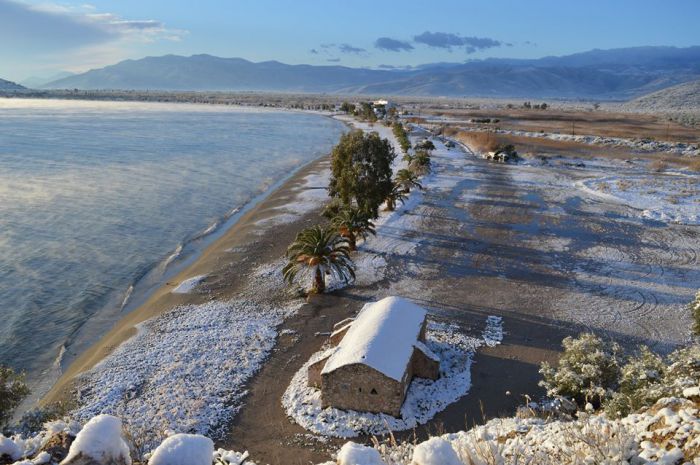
x: 359, y: 387
x: 423, y: 366
x: 314, y: 373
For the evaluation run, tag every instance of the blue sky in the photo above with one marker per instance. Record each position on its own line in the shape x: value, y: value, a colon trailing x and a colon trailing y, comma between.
x: 44, y: 37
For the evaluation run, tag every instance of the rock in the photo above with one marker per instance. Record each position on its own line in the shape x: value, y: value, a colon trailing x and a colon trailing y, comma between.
x: 57, y: 446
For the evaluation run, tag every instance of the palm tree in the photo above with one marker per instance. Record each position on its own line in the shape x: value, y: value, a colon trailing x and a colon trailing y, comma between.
x: 323, y: 251
x: 421, y: 162
x: 352, y: 223
x: 407, y: 179
x: 397, y: 194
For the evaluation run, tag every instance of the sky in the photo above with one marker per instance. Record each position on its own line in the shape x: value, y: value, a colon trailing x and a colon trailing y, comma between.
x: 41, y: 38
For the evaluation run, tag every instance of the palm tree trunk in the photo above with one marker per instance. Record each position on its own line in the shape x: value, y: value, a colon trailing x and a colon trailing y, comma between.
x: 319, y: 282
x: 390, y: 206
x: 352, y: 241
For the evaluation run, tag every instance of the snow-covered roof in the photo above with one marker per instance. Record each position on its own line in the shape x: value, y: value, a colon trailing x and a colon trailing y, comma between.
x: 382, y: 337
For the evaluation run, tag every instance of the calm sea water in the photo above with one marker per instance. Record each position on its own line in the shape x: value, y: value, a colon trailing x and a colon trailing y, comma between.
x: 96, y: 196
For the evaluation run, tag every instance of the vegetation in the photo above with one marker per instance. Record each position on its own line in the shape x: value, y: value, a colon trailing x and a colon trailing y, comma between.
x: 401, y: 137
x: 397, y: 194
x: 322, y: 251
x: 347, y: 107
x: 407, y: 180
x: 420, y: 163
x: 361, y: 171
x: 695, y: 310
x: 588, y: 370
x: 366, y: 112
x: 426, y: 145
x: 13, y: 390
x: 591, y: 370
x: 352, y: 223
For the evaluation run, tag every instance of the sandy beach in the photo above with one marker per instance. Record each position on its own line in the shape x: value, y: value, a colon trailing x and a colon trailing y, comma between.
x: 482, y: 239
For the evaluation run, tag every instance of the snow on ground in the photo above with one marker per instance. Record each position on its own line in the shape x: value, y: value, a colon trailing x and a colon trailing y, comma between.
x: 188, y: 285
x: 424, y: 399
x: 662, y: 197
x: 666, y: 434
x: 184, y: 371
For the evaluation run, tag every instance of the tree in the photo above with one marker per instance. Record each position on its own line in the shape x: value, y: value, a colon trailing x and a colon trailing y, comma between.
x: 361, y: 171
x: 12, y: 390
x: 347, y: 107
x: 322, y: 251
x: 420, y: 163
x: 397, y: 194
x: 407, y: 179
x: 352, y: 223
x: 401, y: 137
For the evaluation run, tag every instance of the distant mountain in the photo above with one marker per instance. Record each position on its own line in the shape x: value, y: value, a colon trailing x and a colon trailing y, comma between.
x: 598, y: 74
x: 9, y: 85
x: 35, y: 82
x: 683, y: 97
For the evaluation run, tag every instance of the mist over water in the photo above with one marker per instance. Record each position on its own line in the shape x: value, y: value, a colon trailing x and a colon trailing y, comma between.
x: 95, y: 195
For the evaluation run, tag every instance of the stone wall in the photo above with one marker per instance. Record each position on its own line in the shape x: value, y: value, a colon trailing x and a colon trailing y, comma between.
x: 359, y: 387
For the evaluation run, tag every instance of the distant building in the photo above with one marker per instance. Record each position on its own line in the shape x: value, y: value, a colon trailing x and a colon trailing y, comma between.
x: 375, y: 358
x: 384, y: 103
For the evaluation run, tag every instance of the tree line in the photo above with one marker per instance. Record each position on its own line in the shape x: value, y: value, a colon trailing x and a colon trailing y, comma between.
x: 362, y: 180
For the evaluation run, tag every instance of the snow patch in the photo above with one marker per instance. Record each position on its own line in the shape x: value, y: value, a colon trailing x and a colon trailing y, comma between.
x: 188, y: 285
x: 184, y: 449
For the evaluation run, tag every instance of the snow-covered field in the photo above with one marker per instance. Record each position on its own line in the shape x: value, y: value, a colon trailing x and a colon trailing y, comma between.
x: 671, y: 198
x: 184, y: 371
x: 425, y: 398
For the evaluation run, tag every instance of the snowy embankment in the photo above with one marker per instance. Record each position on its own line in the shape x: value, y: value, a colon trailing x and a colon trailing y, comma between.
x: 186, y: 370
x: 425, y: 398
x: 666, y: 434
x: 662, y: 197
x: 640, y: 145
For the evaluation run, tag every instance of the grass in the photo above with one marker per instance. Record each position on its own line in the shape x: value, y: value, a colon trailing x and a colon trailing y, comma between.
x: 480, y: 141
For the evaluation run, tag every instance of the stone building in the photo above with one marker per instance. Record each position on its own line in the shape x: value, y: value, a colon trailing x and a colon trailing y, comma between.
x: 375, y: 358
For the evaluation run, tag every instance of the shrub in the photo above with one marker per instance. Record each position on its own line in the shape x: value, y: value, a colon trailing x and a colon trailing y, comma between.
x: 639, y: 383
x: 588, y: 370
x: 480, y: 141
x: 12, y: 390
x: 695, y: 310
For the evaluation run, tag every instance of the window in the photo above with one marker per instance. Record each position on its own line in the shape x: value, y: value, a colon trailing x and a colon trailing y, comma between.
x: 373, y: 391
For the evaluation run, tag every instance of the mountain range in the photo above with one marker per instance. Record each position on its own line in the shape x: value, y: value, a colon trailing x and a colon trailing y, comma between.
x: 9, y: 85
x: 599, y: 74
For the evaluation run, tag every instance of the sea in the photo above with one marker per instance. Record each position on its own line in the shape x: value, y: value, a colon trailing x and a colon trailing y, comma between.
x: 101, y: 201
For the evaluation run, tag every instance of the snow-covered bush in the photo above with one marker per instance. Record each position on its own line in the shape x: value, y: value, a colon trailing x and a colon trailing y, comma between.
x: 101, y: 440
x: 357, y: 454
x: 695, y: 310
x: 588, y: 370
x: 639, y: 383
x: 647, y: 377
x: 435, y: 451
x: 184, y: 449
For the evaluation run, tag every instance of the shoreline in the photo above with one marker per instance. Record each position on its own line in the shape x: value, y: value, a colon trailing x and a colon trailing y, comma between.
x: 158, y: 298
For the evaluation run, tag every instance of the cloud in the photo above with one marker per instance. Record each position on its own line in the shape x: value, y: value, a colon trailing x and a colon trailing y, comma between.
x: 392, y: 45
x: 448, y: 40
x: 313, y: 51
x: 347, y: 48
x: 52, y: 27
x: 333, y: 60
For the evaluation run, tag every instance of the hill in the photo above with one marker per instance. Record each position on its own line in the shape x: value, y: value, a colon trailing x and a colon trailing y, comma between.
x: 682, y: 97
x: 597, y: 74
x: 9, y: 85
